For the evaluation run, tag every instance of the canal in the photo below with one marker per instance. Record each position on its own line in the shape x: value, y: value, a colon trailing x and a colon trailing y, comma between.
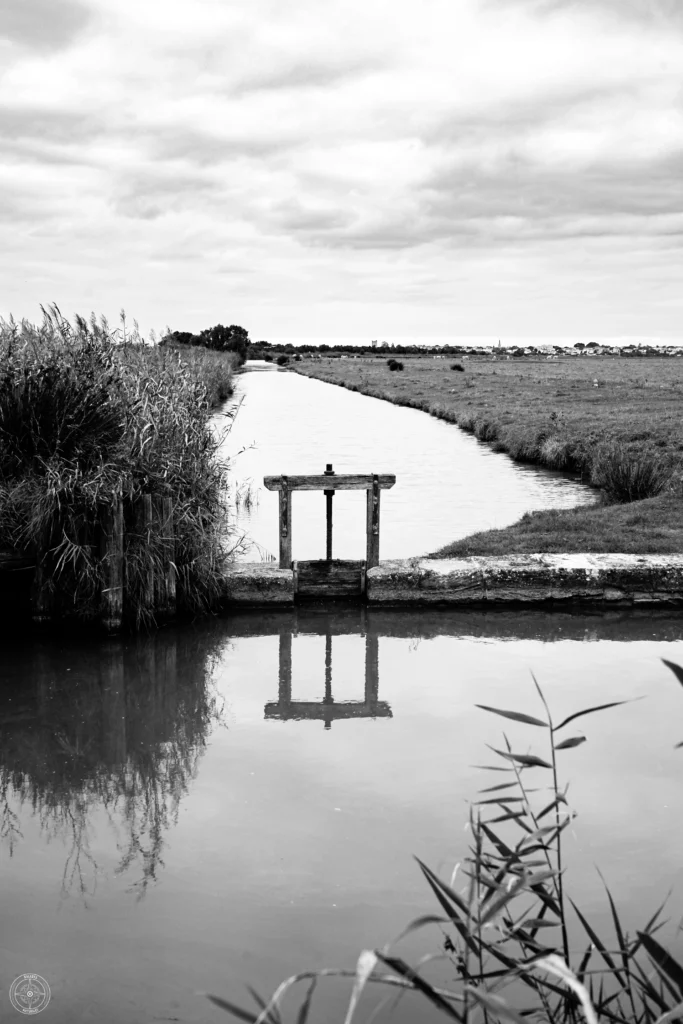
x: 225, y: 803
x: 448, y: 484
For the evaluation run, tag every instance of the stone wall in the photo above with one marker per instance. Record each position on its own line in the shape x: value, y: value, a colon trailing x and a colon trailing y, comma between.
x: 517, y: 579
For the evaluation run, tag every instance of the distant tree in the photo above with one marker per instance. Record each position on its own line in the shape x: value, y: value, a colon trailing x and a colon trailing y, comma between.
x: 579, y: 345
x: 226, y: 339
x: 180, y: 338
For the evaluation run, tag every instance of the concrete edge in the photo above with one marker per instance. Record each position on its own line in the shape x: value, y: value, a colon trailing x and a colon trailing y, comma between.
x: 514, y: 579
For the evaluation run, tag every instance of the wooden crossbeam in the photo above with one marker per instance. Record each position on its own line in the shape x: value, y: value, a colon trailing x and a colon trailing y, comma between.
x: 300, y: 709
x: 320, y: 482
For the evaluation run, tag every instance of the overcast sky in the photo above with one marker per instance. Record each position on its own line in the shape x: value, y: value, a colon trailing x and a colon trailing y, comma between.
x: 346, y: 167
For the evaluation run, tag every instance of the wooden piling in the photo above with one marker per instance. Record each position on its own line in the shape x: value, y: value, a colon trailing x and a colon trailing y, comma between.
x: 143, y: 528
x: 285, y: 525
x: 111, y: 553
x: 165, y: 578
x: 170, y: 568
x: 372, y: 557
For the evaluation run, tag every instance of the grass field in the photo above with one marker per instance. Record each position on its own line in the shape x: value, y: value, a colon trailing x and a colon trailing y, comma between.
x: 616, y: 421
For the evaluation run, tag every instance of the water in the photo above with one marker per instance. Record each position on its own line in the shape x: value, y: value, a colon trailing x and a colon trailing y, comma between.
x: 188, y: 812
x: 448, y: 484
x: 230, y: 802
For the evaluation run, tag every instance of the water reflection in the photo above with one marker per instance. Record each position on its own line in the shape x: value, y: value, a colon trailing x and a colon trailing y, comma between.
x: 120, y: 731
x: 327, y: 710
x: 276, y: 844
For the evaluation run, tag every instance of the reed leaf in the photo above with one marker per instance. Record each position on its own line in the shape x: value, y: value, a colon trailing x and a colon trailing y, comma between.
x: 232, y: 1008
x: 590, y: 711
x: 411, y: 975
x: 516, y: 716
x: 305, y: 1008
x: 599, y: 945
x: 527, y: 760
x: 496, y: 1004
x: 676, y: 669
x: 366, y: 965
x: 573, y: 741
x: 663, y: 959
x: 498, y: 904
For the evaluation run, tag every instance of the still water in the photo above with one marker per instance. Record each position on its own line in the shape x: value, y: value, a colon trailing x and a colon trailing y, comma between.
x: 225, y: 804
x: 448, y: 484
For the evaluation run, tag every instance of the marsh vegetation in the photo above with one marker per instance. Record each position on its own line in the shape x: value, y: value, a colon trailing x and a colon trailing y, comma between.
x: 91, y: 416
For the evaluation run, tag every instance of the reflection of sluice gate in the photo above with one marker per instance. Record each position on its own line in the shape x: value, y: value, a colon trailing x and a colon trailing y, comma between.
x: 328, y: 710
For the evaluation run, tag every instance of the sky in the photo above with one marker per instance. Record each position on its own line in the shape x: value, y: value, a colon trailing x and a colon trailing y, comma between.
x: 365, y: 168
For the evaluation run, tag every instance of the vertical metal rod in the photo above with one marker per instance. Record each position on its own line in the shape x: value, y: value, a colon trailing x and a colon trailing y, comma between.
x: 328, y: 499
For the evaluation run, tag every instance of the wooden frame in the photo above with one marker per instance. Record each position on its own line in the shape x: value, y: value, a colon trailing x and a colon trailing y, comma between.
x: 371, y: 483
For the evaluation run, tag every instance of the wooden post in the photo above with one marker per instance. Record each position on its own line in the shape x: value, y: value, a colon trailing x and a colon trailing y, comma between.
x: 143, y: 528
x: 111, y: 553
x: 329, y: 495
x: 372, y: 557
x: 165, y: 581
x: 285, y: 526
x: 169, y: 544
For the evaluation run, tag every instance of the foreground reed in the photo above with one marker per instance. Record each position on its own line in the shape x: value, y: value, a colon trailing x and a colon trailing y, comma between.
x: 506, y: 927
x: 91, y: 417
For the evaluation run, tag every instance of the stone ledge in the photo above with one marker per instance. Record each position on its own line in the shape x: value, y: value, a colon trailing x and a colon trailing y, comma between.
x: 259, y: 583
x: 610, y: 579
x: 527, y: 579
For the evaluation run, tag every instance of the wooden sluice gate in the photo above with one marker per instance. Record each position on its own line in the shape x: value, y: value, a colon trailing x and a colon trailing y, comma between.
x: 330, y: 578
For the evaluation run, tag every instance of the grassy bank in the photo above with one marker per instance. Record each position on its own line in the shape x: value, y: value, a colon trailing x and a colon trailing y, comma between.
x: 614, y: 421
x: 88, y: 420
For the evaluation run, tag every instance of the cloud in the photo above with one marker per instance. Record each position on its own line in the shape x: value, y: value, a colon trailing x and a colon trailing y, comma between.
x: 361, y: 151
x: 155, y: 191
x: 44, y: 25
x: 313, y: 73
x: 207, y: 148
x: 657, y: 13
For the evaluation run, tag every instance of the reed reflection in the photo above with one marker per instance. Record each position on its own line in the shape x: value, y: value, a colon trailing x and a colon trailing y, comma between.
x: 118, y: 727
x: 328, y: 710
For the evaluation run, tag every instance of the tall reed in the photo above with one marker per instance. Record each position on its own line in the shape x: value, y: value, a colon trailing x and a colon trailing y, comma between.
x: 90, y: 416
